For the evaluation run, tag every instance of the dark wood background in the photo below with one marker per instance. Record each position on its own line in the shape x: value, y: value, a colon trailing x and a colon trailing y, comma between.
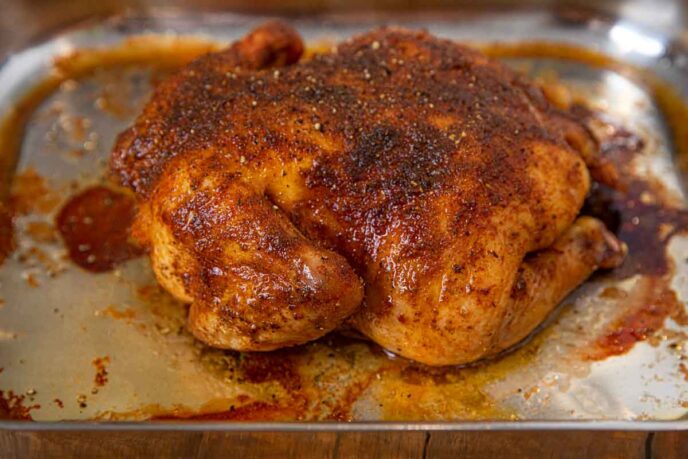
x: 560, y: 444
x: 28, y: 20
x: 22, y: 21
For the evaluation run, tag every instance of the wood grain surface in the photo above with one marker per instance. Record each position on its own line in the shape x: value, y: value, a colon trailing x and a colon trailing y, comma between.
x: 535, y: 444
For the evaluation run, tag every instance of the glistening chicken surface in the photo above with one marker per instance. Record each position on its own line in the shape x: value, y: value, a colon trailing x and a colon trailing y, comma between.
x: 404, y: 185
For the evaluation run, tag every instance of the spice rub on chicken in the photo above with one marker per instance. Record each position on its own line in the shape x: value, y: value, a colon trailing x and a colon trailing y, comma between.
x: 401, y: 184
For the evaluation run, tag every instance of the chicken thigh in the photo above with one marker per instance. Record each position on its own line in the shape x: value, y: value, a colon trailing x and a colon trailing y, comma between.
x: 401, y: 184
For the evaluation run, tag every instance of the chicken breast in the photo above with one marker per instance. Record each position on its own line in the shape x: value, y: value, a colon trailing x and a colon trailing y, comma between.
x: 402, y: 184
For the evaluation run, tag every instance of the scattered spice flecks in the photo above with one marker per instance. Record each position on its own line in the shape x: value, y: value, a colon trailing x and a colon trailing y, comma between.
x: 101, y: 370
x: 683, y: 369
x: 31, y: 193
x: 126, y: 314
x: 32, y: 280
x: 59, y: 403
x: 12, y: 407
x: 41, y: 232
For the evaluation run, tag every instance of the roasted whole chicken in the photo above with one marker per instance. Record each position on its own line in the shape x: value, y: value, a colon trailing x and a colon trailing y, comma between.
x: 401, y: 185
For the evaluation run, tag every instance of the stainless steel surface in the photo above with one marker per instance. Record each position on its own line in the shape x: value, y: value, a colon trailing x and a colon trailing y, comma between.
x: 24, y: 20
x: 49, y: 335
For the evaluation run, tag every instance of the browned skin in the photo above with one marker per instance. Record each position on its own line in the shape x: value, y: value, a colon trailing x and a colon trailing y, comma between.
x: 444, y: 180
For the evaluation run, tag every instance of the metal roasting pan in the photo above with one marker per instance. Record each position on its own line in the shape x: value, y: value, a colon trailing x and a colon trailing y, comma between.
x: 51, y: 334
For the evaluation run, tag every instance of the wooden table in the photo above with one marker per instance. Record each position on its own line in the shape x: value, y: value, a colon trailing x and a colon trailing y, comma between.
x: 665, y: 445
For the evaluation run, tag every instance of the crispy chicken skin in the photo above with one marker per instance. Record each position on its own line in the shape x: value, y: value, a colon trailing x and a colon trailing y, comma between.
x: 404, y: 185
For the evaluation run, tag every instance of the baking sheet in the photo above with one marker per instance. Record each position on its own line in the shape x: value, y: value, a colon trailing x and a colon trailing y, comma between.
x: 56, y: 337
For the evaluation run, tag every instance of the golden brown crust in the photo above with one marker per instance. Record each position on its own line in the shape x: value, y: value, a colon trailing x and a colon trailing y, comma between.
x: 171, y: 122
x: 430, y: 168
